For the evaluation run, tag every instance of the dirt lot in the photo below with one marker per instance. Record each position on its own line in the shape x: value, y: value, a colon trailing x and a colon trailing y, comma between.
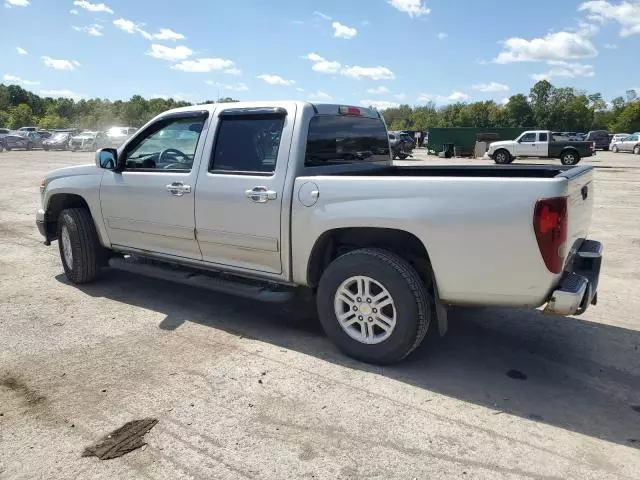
x: 245, y: 390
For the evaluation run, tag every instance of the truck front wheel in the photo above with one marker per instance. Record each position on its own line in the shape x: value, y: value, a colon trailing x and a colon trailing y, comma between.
x: 569, y: 158
x: 373, y: 305
x: 502, y: 157
x: 80, y: 250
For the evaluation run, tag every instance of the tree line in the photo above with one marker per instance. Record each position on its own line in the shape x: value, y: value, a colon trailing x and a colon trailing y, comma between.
x: 19, y: 108
x: 546, y: 108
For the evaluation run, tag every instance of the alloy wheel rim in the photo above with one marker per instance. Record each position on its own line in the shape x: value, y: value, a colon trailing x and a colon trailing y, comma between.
x: 365, y: 310
x: 66, y: 247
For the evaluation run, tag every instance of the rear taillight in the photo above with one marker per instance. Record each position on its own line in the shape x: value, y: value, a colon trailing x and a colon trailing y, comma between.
x: 550, y: 226
x: 592, y: 146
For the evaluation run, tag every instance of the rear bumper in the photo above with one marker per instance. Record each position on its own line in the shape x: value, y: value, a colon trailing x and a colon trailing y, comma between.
x: 578, y: 287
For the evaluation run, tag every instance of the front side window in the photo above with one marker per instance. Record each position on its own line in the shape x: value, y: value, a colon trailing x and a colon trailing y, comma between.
x: 341, y: 139
x: 169, y: 145
x: 528, y: 138
x: 247, y: 144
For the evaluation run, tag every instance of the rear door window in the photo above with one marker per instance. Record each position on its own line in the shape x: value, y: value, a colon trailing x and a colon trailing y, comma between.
x: 342, y: 139
x: 544, y: 137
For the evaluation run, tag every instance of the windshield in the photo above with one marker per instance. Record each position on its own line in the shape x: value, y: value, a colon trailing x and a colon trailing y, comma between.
x: 339, y: 139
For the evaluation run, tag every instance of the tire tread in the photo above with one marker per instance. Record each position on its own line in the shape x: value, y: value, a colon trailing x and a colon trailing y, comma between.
x: 84, y: 239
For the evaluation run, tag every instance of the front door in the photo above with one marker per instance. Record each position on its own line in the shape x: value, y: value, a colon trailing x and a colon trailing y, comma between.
x: 150, y: 204
x: 526, y: 146
x: 629, y: 142
x: 240, y: 192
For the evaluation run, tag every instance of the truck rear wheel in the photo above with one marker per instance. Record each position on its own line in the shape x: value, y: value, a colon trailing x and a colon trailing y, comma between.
x: 80, y: 250
x: 373, y: 305
x: 569, y: 158
x: 502, y: 157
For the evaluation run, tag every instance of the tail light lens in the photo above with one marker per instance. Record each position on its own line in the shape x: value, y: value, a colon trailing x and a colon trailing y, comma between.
x: 592, y: 146
x: 550, y: 226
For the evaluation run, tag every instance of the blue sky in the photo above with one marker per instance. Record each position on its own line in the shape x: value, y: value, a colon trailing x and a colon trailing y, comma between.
x: 380, y: 52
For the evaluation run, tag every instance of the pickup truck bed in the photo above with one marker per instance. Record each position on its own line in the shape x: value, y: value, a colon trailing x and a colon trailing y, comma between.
x: 291, y: 195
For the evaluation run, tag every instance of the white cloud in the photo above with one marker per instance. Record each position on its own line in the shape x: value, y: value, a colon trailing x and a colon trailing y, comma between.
x: 373, y: 73
x: 378, y: 90
x: 379, y: 104
x: 73, y: 11
x: 504, y: 101
x: 168, y: 34
x: 565, y: 69
x: 179, y: 97
x: 442, y: 36
x: 553, y: 46
x: 92, y: 7
x: 457, y: 97
x: 94, y: 30
x: 320, y: 95
x: 300, y: 89
x: 132, y: 27
x: 491, y: 87
x: 626, y: 14
x: 203, y: 65
x: 62, y: 93
x: 610, y: 46
x: 238, y: 87
x: 342, y: 31
x: 60, y: 64
x: 233, y: 71
x: 163, y: 52
x: 454, y: 97
x: 16, y: 3
x: 275, y: 79
x: 21, y: 51
x: 400, y: 96
x: 322, y: 65
x: 322, y: 15
x: 126, y: 25
x: 15, y: 79
x: 414, y: 8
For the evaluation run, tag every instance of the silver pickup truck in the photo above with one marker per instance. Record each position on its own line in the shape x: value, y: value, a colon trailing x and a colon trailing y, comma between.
x: 263, y: 199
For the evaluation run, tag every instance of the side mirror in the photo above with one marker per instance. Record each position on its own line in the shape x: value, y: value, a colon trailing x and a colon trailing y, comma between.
x: 107, y: 158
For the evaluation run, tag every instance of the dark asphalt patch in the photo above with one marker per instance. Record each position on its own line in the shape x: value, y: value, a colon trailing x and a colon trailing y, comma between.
x: 121, y: 441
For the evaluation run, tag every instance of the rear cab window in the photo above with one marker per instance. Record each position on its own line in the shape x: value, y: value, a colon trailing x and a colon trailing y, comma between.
x: 544, y: 137
x: 342, y: 139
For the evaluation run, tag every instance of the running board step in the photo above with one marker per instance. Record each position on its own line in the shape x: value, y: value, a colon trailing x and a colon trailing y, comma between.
x: 264, y: 292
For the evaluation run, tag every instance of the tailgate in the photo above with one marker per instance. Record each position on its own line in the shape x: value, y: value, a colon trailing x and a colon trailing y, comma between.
x: 580, y: 193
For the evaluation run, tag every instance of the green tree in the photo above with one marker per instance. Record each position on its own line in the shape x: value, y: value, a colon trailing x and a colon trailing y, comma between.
x: 519, y: 112
x: 21, y: 116
x: 541, y: 95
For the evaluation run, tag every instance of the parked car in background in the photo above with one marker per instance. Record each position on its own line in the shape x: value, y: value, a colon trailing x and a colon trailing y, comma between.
x: 44, y: 134
x: 617, y: 137
x: 630, y: 143
x: 86, y: 140
x: 3, y: 133
x: 27, y: 129
x: 599, y: 137
x: 116, y: 136
x: 22, y: 139
x: 541, y: 144
x: 401, y: 145
x: 58, y: 141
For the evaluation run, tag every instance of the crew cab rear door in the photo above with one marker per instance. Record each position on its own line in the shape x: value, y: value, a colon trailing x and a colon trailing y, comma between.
x: 240, y: 189
x: 542, y: 145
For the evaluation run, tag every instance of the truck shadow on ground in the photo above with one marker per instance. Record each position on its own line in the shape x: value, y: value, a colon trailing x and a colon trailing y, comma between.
x: 570, y: 373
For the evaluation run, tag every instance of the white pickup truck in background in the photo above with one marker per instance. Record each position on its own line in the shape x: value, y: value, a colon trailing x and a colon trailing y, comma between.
x: 540, y: 144
x: 261, y: 199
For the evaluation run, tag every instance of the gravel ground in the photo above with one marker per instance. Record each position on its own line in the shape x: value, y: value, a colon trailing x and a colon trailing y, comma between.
x: 246, y: 390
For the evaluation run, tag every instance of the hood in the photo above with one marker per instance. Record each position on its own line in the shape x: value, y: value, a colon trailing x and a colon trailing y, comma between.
x: 501, y: 143
x: 78, y: 170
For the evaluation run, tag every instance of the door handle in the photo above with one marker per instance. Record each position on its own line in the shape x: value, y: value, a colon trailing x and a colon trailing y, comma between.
x: 260, y: 194
x: 178, y: 189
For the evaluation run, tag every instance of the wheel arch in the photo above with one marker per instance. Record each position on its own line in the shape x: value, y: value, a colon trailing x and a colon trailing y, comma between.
x: 56, y: 204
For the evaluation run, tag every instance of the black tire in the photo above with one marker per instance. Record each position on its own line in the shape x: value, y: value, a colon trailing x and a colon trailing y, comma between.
x: 636, y: 150
x: 86, y: 252
x: 412, y: 304
x: 46, y: 149
x: 569, y: 158
x: 8, y: 149
x: 614, y: 149
x: 403, y: 156
x: 29, y: 146
x: 502, y: 157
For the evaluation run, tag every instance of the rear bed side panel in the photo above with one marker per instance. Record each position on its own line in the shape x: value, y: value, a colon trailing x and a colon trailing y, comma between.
x: 580, y: 195
x: 478, y: 231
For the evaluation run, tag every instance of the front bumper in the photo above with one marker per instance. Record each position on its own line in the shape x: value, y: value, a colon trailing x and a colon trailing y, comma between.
x: 578, y: 287
x: 41, y: 223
